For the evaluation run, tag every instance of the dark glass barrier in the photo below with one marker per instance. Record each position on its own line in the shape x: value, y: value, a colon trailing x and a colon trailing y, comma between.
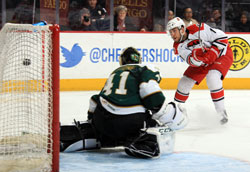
x: 127, y: 15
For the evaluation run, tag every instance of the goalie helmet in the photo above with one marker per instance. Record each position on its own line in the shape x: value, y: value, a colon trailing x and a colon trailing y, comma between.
x: 130, y: 56
x: 175, y: 22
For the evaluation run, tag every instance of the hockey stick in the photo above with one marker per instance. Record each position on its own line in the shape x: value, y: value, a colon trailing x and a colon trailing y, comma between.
x: 201, y: 18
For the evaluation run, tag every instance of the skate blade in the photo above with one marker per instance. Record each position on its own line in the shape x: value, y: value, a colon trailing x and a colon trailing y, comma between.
x: 223, y: 121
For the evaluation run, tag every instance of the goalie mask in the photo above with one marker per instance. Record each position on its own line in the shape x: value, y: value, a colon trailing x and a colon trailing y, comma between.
x: 130, y: 56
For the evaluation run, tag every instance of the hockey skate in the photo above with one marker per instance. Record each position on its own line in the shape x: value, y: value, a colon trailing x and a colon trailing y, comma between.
x: 224, y: 116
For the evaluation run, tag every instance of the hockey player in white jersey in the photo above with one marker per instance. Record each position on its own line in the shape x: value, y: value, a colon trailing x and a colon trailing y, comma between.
x: 208, y: 54
x: 129, y: 111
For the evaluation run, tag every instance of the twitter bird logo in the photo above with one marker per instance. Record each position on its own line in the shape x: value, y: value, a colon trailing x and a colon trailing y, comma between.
x: 72, y: 57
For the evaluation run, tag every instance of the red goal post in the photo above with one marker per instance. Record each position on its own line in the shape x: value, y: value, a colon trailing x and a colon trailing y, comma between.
x: 29, y: 98
x: 56, y: 92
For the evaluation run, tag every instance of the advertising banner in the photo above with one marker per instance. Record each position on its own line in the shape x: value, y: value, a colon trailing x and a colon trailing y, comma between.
x: 139, y: 11
x: 93, y: 56
x: 48, y: 11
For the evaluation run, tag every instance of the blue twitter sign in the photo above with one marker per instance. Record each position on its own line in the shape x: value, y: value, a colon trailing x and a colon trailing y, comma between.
x: 72, y: 57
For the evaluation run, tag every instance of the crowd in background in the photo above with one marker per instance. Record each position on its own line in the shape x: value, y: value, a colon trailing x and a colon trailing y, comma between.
x: 137, y: 15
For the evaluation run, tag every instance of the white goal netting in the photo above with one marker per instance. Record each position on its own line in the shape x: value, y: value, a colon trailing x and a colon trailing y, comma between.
x: 25, y: 98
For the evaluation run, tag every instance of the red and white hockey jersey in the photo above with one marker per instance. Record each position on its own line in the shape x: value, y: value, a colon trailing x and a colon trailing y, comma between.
x: 212, y: 38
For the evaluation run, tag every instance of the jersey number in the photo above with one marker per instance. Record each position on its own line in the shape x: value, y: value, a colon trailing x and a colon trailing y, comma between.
x: 122, y: 83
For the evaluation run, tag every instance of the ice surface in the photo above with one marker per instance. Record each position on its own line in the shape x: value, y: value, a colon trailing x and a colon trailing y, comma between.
x: 115, y: 161
x: 204, y: 145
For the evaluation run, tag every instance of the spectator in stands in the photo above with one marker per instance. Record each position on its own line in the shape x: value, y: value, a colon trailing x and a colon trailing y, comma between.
x: 159, y: 17
x: 88, y: 25
x: 243, y: 25
x: 96, y: 10
x: 215, y: 20
x: 188, y: 17
x: 74, y: 15
x: 170, y: 15
x: 121, y: 21
x: 23, y: 12
x: 158, y: 28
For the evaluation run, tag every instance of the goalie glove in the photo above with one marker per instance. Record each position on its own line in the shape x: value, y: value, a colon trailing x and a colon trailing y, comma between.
x: 175, y: 117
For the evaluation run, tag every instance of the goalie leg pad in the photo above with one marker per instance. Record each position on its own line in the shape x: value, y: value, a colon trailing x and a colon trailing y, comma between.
x: 172, y: 115
x: 69, y: 134
x: 165, y: 138
x: 152, y: 142
x: 145, y: 146
x: 180, y: 119
x: 78, y: 137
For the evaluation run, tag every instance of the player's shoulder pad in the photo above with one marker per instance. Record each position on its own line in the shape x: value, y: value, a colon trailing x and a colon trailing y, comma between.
x: 151, y: 67
x: 149, y: 72
x: 195, y: 28
x: 176, y: 48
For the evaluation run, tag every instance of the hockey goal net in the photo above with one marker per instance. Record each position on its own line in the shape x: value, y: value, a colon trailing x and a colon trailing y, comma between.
x: 29, y: 98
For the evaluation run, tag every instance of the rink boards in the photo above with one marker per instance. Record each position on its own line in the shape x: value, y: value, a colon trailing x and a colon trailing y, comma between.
x: 87, y: 58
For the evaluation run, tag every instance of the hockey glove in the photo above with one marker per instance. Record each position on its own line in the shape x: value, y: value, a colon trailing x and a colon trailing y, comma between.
x: 211, y: 54
x: 196, y: 58
x: 205, y: 55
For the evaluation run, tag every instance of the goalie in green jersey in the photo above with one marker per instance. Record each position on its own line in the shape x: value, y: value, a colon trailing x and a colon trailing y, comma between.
x: 130, y: 111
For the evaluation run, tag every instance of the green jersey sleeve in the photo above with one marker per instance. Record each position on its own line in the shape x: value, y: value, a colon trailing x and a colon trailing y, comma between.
x: 149, y: 89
